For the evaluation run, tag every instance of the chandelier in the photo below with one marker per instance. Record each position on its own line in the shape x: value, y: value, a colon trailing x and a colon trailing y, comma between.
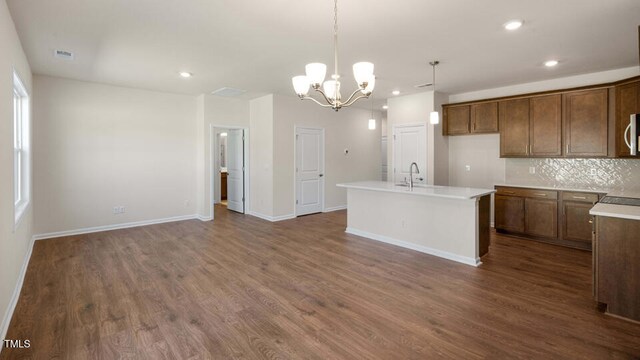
x: 330, y: 89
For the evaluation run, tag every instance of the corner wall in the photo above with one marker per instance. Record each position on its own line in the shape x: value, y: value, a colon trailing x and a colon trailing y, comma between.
x: 345, y: 129
x: 98, y: 146
x: 15, y: 241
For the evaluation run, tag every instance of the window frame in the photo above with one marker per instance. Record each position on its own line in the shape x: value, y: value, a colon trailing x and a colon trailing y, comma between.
x: 21, y: 159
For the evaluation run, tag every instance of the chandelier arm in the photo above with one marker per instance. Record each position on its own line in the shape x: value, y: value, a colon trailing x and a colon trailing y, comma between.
x: 349, y: 103
x: 305, y: 97
x: 324, y: 96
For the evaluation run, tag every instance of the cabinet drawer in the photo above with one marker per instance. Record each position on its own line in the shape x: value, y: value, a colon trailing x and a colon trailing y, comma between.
x: 579, y: 196
x: 507, y: 191
x: 540, y: 194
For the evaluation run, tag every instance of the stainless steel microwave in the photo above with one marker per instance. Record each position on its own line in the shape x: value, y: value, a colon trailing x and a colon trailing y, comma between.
x: 632, y: 134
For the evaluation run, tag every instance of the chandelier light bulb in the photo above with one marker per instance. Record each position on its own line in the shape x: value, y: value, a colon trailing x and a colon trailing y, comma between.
x: 331, y: 88
x: 372, y: 124
x: 362, y: 72
x: 316, y: 73
x: 301, y: 85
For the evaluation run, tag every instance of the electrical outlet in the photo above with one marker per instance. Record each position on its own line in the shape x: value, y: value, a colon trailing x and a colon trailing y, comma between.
x: 467, y: 167
x: 115, y: 210
x: 122, y: 209
x: 532, y: 169
x: 594, y: 172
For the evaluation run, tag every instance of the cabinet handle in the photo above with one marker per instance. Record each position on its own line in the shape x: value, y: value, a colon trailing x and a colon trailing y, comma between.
x: 580, y: 197
x: 508, y: 192
x: 526, y: 150
x: 591, y: 221
x: 567, y: 152
x: 540, y: 194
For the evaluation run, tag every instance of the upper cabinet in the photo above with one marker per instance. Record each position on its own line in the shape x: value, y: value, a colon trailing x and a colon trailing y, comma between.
x: 479, y: 118
x: 531, y: 127
x: 484, y: 117
x: 627, y: 102
x: 456, y: 120
x: 546, y: 126
x: 586, y: 122
x: 514, y: 128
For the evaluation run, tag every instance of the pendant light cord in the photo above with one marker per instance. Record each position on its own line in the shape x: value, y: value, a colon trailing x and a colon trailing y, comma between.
x: 335, y: 37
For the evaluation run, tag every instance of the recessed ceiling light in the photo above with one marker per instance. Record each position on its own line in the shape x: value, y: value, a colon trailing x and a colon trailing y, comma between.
x: 396, y: 92
x: 513, y: 25
x: 185, y: 74
x: 385, y: 107
x: 551, y: 63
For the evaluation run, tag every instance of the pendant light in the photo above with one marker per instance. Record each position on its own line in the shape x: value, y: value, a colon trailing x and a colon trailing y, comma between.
x: 372, y: 120
x: 434, y: 116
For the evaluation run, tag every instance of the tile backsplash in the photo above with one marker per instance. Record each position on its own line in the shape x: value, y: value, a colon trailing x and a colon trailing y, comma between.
x: 594, y: 174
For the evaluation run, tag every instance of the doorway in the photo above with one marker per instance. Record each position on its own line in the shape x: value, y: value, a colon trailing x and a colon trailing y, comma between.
x: 409, y: 146
x: 309, y: 170
x: 228, y: 170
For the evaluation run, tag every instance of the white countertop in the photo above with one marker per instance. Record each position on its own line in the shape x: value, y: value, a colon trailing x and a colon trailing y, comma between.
x: 450, y: 192
x: 617, y: 211
x: 557, y: 188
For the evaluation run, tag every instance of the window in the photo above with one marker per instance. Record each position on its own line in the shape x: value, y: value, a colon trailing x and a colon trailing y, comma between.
x: 21, y: 166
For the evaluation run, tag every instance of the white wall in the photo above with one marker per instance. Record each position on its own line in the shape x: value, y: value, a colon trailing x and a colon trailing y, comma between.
x: 261, y: 155
x: 99, y: 146
x: 413, y: 109
x: 346, y: 129
x: 15, y: 244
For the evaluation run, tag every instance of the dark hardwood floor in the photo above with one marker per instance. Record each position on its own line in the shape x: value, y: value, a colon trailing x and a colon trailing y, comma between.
x: 241, y: 287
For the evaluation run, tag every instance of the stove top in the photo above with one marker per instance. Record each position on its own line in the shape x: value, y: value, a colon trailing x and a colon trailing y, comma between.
x: 618, y: 200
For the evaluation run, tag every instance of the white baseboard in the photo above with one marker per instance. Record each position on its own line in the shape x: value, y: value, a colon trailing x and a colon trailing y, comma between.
x: 205, y: 218
x: 421, y: 248
x: 271, y: 218
x: 114, y: 227
x: 4, y: 326
x: 492, y: 224
x: 335, y: 208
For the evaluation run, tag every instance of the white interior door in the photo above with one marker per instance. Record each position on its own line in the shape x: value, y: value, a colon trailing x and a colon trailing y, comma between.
x: 235, y: 170
x: 309, y: 170
x: 409, y: 145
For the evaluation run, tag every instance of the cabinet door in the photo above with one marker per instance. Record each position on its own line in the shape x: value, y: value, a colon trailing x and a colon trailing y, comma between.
x: 627, y: 103
x: 541, y: 217
x: 576, y: 225
x: 484, y: 117
x: 585, y: 123
x: 546, y: 126
x: 457, y: 118
x: 514, y: 127
x: 509, y: 213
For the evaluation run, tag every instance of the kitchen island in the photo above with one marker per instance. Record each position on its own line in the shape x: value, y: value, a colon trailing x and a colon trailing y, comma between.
x: 449, y: 222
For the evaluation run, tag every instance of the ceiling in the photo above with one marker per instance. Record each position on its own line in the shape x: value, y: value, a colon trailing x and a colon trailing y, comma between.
x: 259, y: 45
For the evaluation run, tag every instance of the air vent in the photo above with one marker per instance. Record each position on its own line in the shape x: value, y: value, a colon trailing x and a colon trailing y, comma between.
x: 63, y: 54
x: 228, y: 92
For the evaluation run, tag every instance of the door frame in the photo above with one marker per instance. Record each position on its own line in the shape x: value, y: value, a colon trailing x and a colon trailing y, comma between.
x: 393, y: 147
x: 213, y: 145
x: 295, y: 159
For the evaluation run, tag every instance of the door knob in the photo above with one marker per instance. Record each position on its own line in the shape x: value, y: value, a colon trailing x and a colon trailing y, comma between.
x: 321, y: 175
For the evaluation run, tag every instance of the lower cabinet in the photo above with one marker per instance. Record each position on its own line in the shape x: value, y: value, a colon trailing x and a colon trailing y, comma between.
x: 541, y: 217
x: 616, y: 269
x: 558, y: 217
x: 509, y: 213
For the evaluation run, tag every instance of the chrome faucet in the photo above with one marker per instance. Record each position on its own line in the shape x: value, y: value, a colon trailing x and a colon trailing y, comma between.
x: 411, y: 173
